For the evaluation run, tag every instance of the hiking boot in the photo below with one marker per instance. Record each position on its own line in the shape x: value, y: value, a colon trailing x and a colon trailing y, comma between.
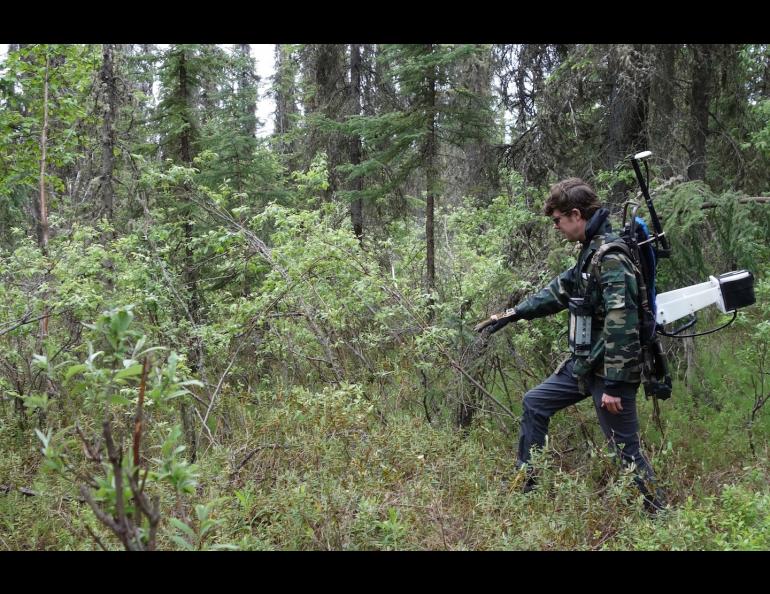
x: 655, y: 504
x: 529, y: 484
x: 523, y: 481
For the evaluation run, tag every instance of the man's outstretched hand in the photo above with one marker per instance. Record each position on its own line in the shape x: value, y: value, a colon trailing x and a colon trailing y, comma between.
x: 497, y: 321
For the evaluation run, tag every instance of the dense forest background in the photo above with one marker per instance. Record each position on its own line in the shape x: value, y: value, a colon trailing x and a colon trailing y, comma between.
x: 216, y: 338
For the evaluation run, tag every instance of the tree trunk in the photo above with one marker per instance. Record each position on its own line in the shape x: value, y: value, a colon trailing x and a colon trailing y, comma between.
x: 246, y: 79
x: 356, y: 206
x: 207, y: 92
x: 481, y: 181
x: 186, y: 156
x: 765, y: 86
x: 42, y: 206
x: 148, y: 78
x: 190, y: 274
x: 369, y: 90
x: 109, y: 97
x: 663, y: 117
x: 384, y: 94
x: 324, y: 77
x: 246, y: 105
x: 629, y: 94
x: 699, y: 110
x: 285, y: 98
x: 431, y: 180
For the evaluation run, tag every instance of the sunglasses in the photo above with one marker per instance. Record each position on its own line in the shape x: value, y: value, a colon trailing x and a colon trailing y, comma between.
x: 559, y: 218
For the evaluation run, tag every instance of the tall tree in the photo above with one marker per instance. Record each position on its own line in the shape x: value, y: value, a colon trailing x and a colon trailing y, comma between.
x: 403, y: 141
x: 37, y: 90
x: 285, y: 93
x: 357, y: 203
x: 544, y: 87
x: 700, y: 95
x: 42, y: 205
x: 325, y: 99
x: 109, y: 95
x: 468, y: 157
x: 663, y: 122
x: 228, y: 116
x: 180, y: 76
x: 431, y: 170
x: 41, y: 208
x: 627, y: 107
x: 247, y: 89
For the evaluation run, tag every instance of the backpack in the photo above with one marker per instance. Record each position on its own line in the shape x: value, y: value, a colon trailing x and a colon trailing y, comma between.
x: 634, y: 242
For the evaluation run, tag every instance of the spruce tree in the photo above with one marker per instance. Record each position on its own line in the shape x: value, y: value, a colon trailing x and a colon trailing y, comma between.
x: 404, y: 139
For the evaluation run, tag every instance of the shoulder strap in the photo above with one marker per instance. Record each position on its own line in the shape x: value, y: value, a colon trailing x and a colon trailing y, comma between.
x: 615, y: 245
x: 619, y: 245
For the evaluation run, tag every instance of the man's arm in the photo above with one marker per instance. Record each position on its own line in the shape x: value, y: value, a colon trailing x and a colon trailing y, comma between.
x: 620, y: 334
x: 549, y: 300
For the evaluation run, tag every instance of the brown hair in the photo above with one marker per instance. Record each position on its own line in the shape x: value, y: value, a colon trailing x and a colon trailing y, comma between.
x: 572, y: 193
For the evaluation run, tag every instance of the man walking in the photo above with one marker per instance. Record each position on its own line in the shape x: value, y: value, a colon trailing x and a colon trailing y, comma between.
x: 603, y: 297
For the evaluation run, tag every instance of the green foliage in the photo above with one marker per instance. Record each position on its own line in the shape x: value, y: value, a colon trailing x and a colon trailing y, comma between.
x: 70, y: 71
x: 395, y: 141
x: 736, y: 519
x: 179, y: 473
x: 195, y: 539
x: 761, y: 138
x: 737, y: 232
x: 109, y: 378
x: 307, y: 394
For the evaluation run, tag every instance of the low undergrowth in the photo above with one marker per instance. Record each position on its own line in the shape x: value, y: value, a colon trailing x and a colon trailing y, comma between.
x: 323, y: 470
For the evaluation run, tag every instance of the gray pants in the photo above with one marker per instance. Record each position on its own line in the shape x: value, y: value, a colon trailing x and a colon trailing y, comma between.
x: 561, y: 390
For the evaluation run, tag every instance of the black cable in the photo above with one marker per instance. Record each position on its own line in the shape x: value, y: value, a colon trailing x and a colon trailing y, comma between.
x: 684, y: 327
x: 672, y: 335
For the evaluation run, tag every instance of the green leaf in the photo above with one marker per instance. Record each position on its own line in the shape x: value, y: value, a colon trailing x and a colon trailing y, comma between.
x: 40, y: 361
x: 73, y: 370
x: 182, y: 543
x: 202, y: 511
x: 209, y: 526
x: 121, y: 321
x: 92, y: 357
x: 176, y: 394
x: 45, y: 438
x: 139, y: 344
x: 118, y: 399
x: 36, y: 402
x: 129, y: 372
x: 225, y: 547
x: 173, y: 361
x: 181, y: 526
x: 151, y: 349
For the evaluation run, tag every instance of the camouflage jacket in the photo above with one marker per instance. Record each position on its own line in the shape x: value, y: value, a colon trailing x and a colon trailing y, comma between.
x: 615, y: 349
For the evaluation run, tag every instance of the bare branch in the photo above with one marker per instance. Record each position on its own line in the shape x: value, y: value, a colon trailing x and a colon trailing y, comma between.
x: 257, y: 449
x: 25, y: 319
x: 116, y: 459
x: 103, y: 517
x: 138, y: 416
